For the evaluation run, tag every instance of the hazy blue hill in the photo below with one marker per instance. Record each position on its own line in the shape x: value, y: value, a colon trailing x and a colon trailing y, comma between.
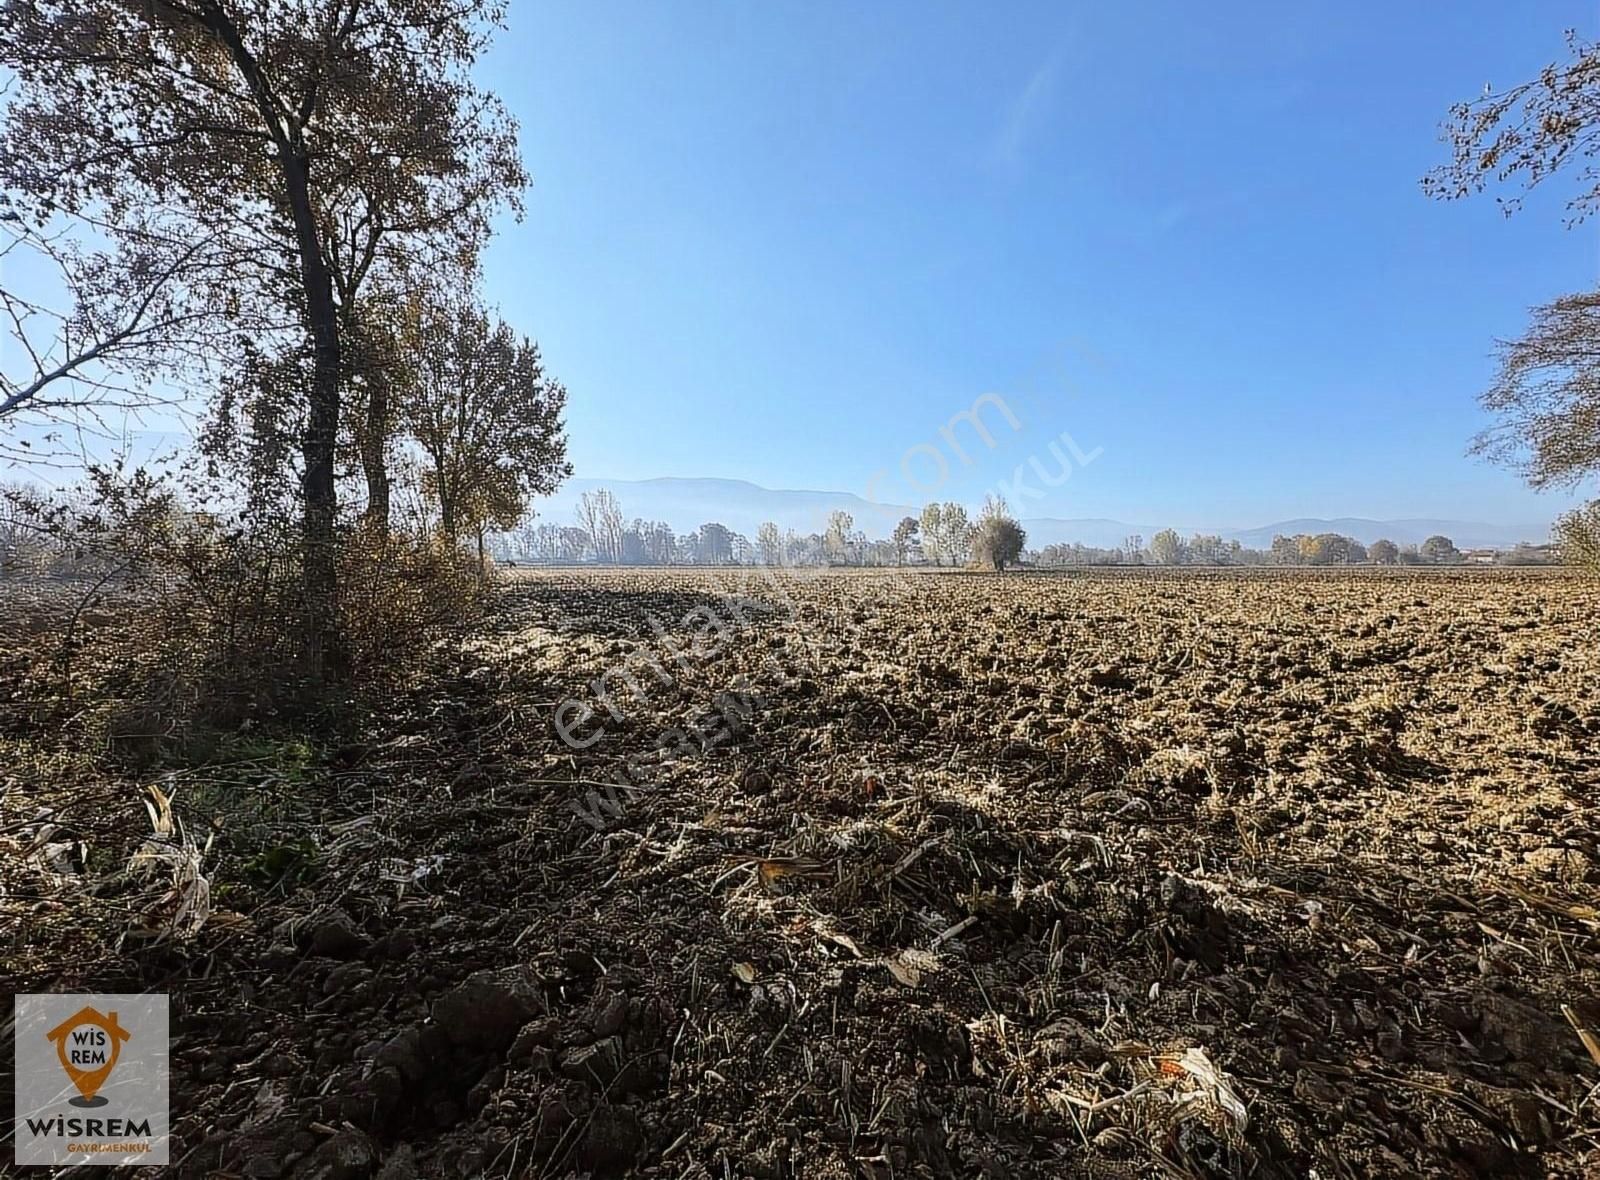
x: 742, y: 506
x: 1097, y: 532
x: 686, y: 503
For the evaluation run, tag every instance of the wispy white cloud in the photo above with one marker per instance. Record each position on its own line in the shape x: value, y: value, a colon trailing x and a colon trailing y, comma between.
x: 1023, y: 114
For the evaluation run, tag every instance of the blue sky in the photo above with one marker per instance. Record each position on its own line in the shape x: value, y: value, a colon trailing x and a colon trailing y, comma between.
x: 787, y: 242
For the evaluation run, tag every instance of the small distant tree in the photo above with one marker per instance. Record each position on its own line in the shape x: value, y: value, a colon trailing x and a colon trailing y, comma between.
x: 543, y: 542
x: 633, y: 548
x: 612, y: 529
x: 1324, y: 549
x: 904, y: 533
x: 660, y: 543
x: 26, y: 532
x: 1440, y: 550
x: 715, y: 544
x: 1166, y: 548
x: 1285, y: 550
x: 769, y: 543
x: 1383, y: 552
x: 600, y: 515
x: 955, y: 531
x: 588, y: 517
x: 1133, y: 547
x: 1523, y: 553
x: 933, y: 533
x: 1203, y: 549
x: 878, y: 553
x: 840, y: 525
x: 571, y: 544
x: 997, y: 538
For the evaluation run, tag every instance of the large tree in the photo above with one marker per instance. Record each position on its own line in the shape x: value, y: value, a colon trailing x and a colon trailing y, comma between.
x: 904, y: 533
x: 317, y: 141
x: 1545, y: 400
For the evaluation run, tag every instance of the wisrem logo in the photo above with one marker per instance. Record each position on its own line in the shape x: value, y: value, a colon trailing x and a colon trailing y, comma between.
x: 105, y: 1054
x: 115, y: 1128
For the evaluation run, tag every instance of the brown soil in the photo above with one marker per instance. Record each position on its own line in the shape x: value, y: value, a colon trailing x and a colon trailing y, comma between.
x: 1126, y: 874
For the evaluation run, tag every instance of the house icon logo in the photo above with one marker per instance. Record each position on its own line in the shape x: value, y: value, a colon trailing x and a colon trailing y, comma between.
x: 88, y: 1044
x: 112, y: 1106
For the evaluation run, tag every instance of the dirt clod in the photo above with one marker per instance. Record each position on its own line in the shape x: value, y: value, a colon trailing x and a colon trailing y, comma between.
x: 400, y: 1164
x: 613, y: 1140
x: 485, y: 1012
x: 335, y: 936
x: 347, y: 1155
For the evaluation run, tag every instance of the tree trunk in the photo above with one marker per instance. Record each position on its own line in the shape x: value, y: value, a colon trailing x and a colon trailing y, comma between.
x: 319, y: 561
x: 374, y: 447
x: 447, y: 517
x: 325, y: 652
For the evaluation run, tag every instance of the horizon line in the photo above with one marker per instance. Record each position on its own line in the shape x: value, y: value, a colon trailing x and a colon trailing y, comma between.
x: 1021, y: 516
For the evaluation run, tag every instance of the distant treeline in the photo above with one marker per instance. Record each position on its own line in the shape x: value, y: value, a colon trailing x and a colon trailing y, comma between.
x: 1168, y: 548
x: 602, y: 536
x: 941, y: 535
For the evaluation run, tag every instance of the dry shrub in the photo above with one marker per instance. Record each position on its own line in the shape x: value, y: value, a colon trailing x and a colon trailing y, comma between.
x: 396, y: 593
x: 198, y: 622
x: 1579, y: 532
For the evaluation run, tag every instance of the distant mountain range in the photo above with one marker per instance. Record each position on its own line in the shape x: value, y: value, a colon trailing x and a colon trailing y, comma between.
x: 688, y: 503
